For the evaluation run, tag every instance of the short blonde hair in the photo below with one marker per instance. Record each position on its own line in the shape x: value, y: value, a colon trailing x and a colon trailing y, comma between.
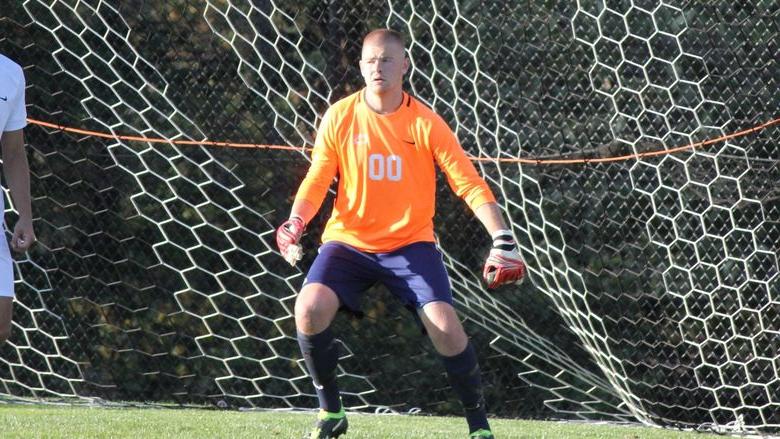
x: 388, y: 34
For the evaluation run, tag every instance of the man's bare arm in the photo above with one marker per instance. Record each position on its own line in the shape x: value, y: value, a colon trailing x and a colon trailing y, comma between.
x: 17, y: 174
x: 489, y: 214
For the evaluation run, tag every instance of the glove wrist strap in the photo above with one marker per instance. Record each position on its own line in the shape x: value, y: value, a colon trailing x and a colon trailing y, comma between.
x: 503, y: 240
x: 505, y: 233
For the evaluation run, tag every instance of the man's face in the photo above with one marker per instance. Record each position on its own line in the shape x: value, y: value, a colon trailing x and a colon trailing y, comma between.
x: 383, y: 65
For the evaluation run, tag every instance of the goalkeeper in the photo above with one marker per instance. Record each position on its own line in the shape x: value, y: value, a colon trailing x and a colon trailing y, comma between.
x: 383, y: 145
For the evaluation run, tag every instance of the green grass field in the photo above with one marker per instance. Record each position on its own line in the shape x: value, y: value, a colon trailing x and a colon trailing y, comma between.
x: 22, y: 421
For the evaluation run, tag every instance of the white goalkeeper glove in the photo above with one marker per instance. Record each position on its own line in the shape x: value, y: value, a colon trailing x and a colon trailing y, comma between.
x: 287, y: 237
x: 503, y: 264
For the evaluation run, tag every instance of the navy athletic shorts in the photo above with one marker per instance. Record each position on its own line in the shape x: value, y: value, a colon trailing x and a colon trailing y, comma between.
x: 414, y: 273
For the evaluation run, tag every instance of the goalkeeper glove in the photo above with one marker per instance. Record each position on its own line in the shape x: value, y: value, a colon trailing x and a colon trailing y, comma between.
x: 503, y: 264
x: 287, y: 237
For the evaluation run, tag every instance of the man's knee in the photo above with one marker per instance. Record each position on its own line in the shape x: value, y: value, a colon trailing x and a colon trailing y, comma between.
x: 314, y: 308
x: 451, y: 342
x: 444, y: 328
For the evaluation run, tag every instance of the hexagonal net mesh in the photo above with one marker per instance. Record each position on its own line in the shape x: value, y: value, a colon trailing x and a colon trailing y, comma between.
x: 654, y: 292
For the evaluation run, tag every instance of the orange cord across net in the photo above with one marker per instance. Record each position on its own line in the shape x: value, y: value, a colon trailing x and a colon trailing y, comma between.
x: 483, y: 159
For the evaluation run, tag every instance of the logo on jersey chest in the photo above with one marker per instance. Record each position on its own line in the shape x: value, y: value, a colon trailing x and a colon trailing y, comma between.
x: 360, y: 139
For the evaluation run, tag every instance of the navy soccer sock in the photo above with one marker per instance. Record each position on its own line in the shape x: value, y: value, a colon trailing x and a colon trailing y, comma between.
x: 464, y: 375
x: 321, y: 354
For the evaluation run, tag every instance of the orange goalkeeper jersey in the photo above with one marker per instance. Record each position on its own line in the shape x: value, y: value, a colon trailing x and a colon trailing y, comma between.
x: 387, y: 178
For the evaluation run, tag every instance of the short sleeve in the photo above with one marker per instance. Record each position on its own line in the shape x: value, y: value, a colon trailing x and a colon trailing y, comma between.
x: 18, y: 116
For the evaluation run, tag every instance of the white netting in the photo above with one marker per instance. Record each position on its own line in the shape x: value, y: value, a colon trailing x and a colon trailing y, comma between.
x: 658, y: 276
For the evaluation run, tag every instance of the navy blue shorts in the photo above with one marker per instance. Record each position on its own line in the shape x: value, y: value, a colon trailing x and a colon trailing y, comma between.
x: 414, y: 273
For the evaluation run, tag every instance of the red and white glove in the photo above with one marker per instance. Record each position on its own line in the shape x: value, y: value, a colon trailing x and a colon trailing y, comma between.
x: 503, y: 265
x: 287, y: 237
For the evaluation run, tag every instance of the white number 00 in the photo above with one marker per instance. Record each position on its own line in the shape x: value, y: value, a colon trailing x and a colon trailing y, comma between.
x: 380, y: 167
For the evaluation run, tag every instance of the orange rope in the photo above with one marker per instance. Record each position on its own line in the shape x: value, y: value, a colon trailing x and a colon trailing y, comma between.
x: 159, y: 140
x: 481, y: 159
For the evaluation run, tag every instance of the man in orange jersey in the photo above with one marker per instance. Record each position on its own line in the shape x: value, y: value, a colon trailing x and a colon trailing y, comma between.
x: 384, y: 146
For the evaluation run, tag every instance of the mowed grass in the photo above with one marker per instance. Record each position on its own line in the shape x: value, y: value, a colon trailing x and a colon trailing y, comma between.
x: 23, y: 421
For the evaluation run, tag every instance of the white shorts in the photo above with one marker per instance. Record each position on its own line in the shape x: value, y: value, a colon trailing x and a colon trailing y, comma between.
x: 6, y: 269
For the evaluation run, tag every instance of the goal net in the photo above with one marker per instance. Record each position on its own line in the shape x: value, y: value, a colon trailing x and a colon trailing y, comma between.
x: 653, y: 291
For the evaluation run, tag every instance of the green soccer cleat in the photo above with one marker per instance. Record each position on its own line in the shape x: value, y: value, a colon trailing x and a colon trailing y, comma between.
x: 481, y: 434
x: 329, y: 425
